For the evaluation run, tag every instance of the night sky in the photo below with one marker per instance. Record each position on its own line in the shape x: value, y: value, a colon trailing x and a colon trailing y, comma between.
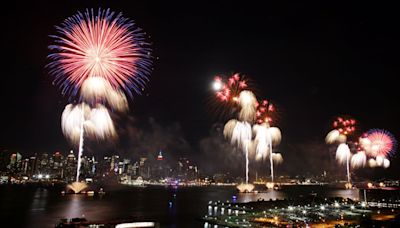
x: 313, y: 61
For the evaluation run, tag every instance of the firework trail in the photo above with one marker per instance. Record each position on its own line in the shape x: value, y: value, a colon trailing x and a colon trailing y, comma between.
x: 79, y: 120
x: 241, y: 136
x: 73, y: 124
x: 105, y: 45
x: 343, y: 155
x: 266, y: 136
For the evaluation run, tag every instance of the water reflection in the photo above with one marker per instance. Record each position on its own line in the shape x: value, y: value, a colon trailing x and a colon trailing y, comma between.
x: 270, y: 194
x: 353, y: 194
x: 74, y: 207
x: 39, y: 200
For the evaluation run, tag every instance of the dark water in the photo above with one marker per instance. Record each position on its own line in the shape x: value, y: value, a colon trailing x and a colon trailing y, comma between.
x: 29, y: 206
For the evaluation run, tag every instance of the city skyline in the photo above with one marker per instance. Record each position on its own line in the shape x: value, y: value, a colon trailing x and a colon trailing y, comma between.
x: 312, y: 71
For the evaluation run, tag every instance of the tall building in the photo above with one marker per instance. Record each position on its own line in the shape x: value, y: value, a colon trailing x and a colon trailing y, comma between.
x: 33, y: 165
x: 160, y: 168
x: 144, y: 168
x: 44, y: 164
x: 70, y: 167
x: 57, y: 165
x: 15, y: 163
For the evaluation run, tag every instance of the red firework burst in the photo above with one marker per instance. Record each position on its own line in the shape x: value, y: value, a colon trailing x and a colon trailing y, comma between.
x: 344, y: 126
x: 105, y: 45
x: 265, y: 111
x: 229, y: 90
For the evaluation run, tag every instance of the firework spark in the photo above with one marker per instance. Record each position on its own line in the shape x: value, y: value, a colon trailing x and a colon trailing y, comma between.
x: 359, y: 160
x: 343, y: 156
x: 247, y: 102
x: 277, y: 157
x: 97, y: 90
x: 95, y: 123
x: 342, y: 153
x: 229, y: 127
x: 100, y: 124
x: 262, y: 144
x: 105, y: 45
x: 241, y: 136
x: 72, y: 119
x: 332, y: 136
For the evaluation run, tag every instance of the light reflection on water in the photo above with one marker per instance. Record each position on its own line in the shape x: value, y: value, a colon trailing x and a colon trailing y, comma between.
x: 270, y: 194
x: 39, y: 200
x: 353, y: 194
x: 74, y: 207
x: 182, y: 207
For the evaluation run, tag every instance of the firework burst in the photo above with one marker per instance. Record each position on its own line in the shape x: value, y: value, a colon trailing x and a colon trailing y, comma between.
x: 225, y: 100
x: 378, y: 142
x: 344, y: 126
x: 229, y: 90
x: 105, y: 45
x: 265, y: 112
